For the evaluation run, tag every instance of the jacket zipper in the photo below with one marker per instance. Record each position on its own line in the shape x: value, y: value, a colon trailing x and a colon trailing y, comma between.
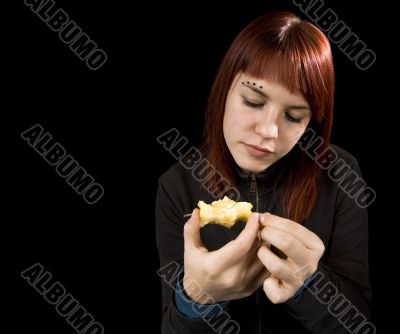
x: 254, y: 189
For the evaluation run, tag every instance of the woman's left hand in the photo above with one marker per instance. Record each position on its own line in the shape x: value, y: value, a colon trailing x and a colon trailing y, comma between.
x: 303, y: 249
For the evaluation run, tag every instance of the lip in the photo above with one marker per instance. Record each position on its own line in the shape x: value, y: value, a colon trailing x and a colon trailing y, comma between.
x: 257, y: 151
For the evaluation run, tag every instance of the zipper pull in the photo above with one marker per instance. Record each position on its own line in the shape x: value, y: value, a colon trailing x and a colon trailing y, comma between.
x: 253, y: 184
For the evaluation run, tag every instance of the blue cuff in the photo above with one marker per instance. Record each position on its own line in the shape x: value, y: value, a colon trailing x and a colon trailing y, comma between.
x: 305, y: 284
x: 192, y: 309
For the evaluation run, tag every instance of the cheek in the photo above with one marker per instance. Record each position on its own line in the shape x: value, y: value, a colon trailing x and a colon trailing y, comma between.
x: 235, y: 121
x: 237, y: 117
x: 226, y: 127
x: 291, y: 135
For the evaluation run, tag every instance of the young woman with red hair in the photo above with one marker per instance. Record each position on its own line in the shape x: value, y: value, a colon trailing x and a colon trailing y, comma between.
x: 300, y: 263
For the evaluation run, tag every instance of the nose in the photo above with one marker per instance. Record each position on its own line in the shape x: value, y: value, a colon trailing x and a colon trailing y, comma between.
x: 267, y: 125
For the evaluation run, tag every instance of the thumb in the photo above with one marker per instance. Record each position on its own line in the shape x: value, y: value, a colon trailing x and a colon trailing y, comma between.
x: 191, y: 232
x: 275, y: 290
x: 249, y: 234
x: 235, y: 249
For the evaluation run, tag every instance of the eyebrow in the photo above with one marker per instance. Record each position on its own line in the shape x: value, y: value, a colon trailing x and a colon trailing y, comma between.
x: 260, y: 92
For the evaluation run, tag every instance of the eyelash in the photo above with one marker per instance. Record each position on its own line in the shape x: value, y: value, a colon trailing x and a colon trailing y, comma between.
x: 292, y: 119
x: 260, y: 105
x: 253, y: 105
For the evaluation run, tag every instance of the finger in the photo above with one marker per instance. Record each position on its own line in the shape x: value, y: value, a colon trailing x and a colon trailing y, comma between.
x: 191, y: 232
x: 287, y: 243
x: 307, y: 237
x: 275, y: 290
x: 261, y: 277
x: 254, y: 267
x: 250, y: 232
x: 254, y: 247
x: 241, y: 246
x: 276, y: 266
x: 255, y: 282
x: 258, y: 281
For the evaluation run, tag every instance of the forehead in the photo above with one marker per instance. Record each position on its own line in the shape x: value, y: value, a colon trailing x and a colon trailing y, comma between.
x: 272, y: 89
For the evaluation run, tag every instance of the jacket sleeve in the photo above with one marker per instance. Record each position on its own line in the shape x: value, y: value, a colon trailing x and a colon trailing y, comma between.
x: 339, y: 298
x: 169, y: 236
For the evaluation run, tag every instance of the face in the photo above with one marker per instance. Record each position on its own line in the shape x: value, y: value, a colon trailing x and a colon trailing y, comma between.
x: 262, y: 122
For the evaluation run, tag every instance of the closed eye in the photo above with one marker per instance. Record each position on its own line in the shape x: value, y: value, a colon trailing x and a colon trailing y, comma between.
x: 292, y: 119
x: 260, y: 105
x: 255, y: 105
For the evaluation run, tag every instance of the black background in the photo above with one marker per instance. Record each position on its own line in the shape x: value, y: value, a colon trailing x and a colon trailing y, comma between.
x: 161, y: 63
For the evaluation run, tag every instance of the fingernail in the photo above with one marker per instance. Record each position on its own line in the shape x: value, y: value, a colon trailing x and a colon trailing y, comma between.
x: 257, y: 216
x: 261, y: 219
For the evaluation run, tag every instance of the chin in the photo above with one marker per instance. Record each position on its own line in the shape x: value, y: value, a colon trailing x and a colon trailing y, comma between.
x: 254, y: 169
x: 250, y: 166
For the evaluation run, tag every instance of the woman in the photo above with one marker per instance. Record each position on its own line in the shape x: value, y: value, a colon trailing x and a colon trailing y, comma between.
x: 300, y: 264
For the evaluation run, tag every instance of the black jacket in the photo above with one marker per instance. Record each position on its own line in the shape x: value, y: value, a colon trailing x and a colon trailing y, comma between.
x: 335, y: 218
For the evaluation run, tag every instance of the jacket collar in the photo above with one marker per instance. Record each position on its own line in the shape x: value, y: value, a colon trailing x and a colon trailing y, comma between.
x: 265, y: 179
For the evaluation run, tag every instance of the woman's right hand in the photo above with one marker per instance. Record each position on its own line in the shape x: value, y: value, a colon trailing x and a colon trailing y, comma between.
x: 231, y: 272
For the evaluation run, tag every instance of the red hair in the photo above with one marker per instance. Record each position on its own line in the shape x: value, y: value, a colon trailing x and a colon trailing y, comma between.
x: 279, y: 48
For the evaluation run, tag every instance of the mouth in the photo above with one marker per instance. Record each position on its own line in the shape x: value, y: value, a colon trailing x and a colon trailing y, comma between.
x: 257, y: 151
